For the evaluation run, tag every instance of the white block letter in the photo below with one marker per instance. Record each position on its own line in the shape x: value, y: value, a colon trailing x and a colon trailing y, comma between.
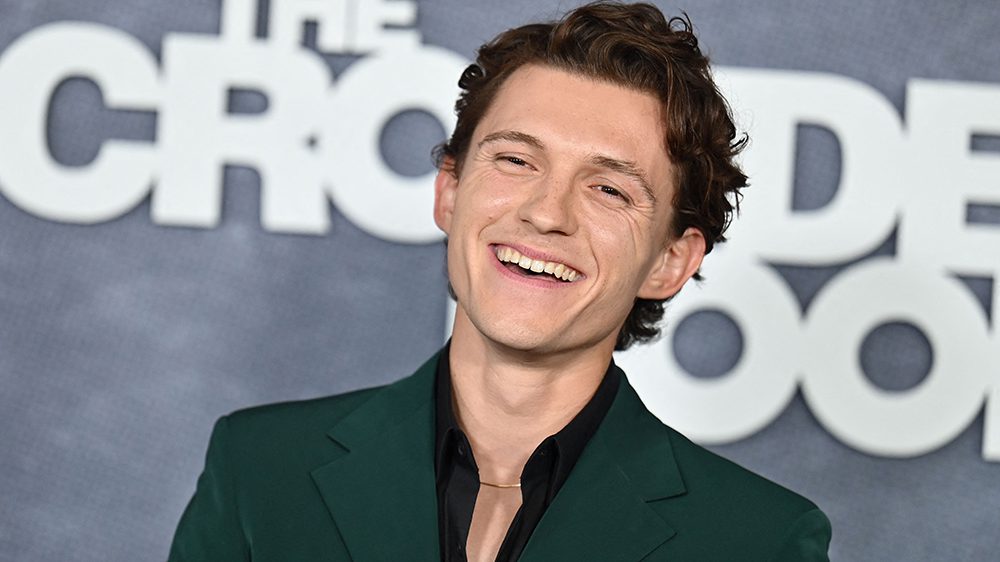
x: 198, y: 136
x: 368, y: 94
x: 917, y: 420
x: 30, y: 70
x: 863, y: 211
x: 745, y: 400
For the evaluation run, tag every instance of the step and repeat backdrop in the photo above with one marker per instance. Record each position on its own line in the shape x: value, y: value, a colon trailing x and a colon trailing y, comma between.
x: 212, y: 204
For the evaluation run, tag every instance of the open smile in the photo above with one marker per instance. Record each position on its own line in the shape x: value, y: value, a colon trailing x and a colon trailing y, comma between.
x: 520, y: 264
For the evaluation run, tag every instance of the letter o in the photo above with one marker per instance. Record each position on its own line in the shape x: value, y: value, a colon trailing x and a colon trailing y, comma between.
x: 759, y: 386
x: 363, y: 187
x: 917, y: 420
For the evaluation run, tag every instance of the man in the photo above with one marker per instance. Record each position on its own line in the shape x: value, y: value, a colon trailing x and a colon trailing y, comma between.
x: 590, y: 171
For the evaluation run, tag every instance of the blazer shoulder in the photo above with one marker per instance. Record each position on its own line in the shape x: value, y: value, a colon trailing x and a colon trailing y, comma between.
x: 762, y: 519
x: 704, y: 471
x: 308, y: 416
x: 315, y: 414
x: 283, y: 424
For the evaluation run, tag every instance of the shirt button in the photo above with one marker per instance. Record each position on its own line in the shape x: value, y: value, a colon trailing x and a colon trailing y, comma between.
x: 461, y: 449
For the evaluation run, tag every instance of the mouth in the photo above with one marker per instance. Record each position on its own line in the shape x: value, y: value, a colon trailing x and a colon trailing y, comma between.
x: 526, y: 266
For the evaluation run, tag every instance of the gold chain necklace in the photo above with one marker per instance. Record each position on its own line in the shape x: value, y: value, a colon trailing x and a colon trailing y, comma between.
x: 502, y: 486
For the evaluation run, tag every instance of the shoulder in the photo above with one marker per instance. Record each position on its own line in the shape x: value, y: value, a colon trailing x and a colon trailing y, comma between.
x: 653, y: 452
x: 719, y: 509
x: 319, y: 415
x: 707, y: 473
x: 285, y: 432
x: 731, y: 507
x: 256, y: 476
x: 314, y: 413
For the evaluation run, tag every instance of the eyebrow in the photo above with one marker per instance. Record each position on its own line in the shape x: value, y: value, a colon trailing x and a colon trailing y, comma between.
x: 626, y: 168
x: 512, y: 136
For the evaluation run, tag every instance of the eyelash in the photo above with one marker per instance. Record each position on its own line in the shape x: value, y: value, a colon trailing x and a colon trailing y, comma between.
x: 514, y: 160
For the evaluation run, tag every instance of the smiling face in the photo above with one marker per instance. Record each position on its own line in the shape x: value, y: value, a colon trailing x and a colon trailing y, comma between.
x: 559, y: 217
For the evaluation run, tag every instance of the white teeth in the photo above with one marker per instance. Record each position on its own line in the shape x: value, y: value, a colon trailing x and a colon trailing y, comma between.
x: 556, y: 269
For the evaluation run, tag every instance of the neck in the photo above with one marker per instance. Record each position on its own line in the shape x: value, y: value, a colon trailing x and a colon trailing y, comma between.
x: 507, y: 401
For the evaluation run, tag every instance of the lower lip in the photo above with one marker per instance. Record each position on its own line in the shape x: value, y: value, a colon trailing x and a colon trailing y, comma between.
x: 547, y: 282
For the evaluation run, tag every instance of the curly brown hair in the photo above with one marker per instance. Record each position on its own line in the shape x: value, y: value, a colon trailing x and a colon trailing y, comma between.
x: 635, y: 46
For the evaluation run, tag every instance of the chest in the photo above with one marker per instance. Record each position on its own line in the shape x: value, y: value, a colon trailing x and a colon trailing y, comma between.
x: 491, y: 518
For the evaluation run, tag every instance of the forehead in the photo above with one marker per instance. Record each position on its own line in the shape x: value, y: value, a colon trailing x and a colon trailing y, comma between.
x: 575, y: 114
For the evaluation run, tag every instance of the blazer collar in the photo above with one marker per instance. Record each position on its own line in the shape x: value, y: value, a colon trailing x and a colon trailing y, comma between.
x: 381, y: 491
x: 382, y: 494
x: 603, y: 511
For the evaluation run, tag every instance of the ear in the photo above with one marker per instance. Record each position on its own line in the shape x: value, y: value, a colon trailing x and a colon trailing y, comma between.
x: 677, y: 262
x: 445, y: 190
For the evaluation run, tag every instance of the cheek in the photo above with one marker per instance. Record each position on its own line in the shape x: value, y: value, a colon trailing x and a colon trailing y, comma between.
x: 617, y: 232
x: 625, y: 251
x: 478, y: 211
x: 473, y: 217
x: 493, y: 188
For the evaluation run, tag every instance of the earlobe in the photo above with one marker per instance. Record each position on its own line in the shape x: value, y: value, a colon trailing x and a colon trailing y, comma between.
x: 677, y: 263
x: 445, y: 189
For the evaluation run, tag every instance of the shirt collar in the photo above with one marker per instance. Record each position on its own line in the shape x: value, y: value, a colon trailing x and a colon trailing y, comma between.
x: 567, y: 444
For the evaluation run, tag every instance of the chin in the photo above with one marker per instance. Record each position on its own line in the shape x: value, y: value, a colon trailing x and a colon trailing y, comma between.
x: 533, y: 339
x: 518, y: 336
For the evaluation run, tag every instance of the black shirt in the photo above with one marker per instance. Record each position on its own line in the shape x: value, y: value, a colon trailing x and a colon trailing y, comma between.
x: 547, y: 468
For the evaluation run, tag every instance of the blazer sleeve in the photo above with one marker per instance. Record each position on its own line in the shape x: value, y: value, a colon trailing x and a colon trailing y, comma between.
x: 807, y: 540
x: 210, y: 529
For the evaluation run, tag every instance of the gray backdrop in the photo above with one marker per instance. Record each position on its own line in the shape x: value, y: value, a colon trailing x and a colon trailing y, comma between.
x: 121, y: 342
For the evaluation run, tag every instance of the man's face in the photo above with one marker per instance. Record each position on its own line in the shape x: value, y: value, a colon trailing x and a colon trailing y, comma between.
x: 560, y: 215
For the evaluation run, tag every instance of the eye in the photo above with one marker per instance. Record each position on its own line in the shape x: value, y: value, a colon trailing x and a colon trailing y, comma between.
x: 513, y: 160
x: 610, y: 191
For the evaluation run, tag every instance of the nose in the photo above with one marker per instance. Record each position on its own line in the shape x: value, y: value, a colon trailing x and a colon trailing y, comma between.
x: 550, y: 206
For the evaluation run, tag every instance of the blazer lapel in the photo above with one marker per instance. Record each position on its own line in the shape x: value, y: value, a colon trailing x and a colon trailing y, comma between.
x: 381, y: 491
x: 382, y: 494
x: 602, y: 511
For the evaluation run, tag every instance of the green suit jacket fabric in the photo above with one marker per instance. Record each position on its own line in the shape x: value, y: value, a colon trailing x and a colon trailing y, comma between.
x: 351, y: 477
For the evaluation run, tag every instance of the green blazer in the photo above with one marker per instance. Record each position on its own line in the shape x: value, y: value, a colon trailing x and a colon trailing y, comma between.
x: 351, y: 477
